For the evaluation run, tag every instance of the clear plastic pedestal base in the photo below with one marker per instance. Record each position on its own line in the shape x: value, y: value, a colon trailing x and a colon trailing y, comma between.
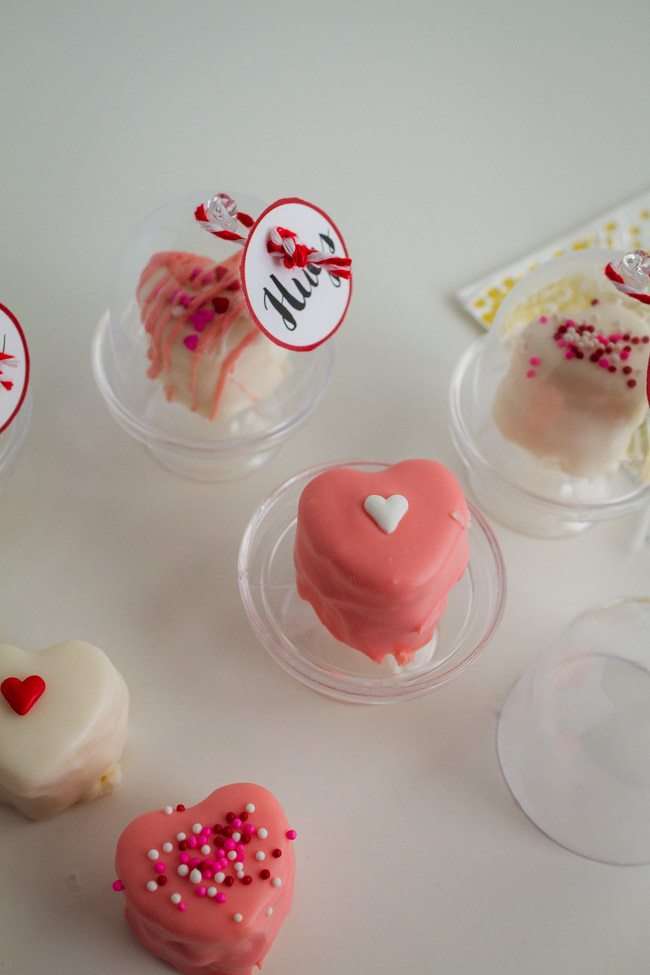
x: 574, y: 735
x: 201, y: 449
x: 289, y: 629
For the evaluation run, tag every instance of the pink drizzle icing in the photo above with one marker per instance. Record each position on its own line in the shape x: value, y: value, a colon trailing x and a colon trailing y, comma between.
x: 183, y: 293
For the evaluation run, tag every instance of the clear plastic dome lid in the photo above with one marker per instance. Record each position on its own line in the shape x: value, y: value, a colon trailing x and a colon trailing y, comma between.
x: 552, y: 403
x: 178, y: 358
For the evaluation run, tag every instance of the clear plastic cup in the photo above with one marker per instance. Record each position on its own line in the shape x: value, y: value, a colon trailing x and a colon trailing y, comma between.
x: 290, y: 631
x: 524, y: 491
x: 178, y: 431
x: 12, y: 440
x: 574, y: 735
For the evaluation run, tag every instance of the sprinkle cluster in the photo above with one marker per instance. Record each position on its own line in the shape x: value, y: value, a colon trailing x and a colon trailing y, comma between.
x: 584, y: 341
x: 214, y: 858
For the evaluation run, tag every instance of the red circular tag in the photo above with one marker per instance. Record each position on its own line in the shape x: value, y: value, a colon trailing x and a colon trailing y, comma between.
x: 14, y: 367
x: 297, y: 307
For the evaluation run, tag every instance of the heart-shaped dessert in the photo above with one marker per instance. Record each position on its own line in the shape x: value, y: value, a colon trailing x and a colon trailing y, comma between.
x: 207, y: 887
x: 62, y: 729
x: 381, y: 590
x: 22, y: 695
x: 204, y: 345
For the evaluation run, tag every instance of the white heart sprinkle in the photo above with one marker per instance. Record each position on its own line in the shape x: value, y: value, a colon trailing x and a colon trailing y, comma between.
x: 386, y: 512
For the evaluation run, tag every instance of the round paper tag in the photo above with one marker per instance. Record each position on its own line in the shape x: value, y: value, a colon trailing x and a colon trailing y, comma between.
x: 296, y: 307
x: 14, y: 367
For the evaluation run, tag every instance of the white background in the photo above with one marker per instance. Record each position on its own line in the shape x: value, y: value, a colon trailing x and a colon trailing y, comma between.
x: 445, y: 140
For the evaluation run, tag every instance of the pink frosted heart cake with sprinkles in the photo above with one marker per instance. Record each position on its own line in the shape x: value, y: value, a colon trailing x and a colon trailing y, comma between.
x: 208, y: 887
x: 574, y: 393
x: 203, y: 344
x: 376, y: 553
x: 63, y: 722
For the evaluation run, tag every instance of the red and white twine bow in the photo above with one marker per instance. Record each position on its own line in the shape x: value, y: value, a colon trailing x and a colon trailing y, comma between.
x: 284, y: 244
x: 220, y: 216
x: 631, y: 275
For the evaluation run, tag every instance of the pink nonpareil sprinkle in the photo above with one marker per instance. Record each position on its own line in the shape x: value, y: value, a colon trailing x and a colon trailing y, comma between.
x: 543, y: 319
x: 603, y: 362
x: 530, y: 374
x: 534, y: 360
x: 568, y: 354
x: 220, y: 898
x: 291, y: 834
x: 118, y: 885
x: 159, y: 867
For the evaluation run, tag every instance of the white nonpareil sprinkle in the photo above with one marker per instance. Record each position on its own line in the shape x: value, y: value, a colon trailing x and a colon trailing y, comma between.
x: 196, y: 876
x: 238, y: 918
x: 276, y: 882
x: 181, y: 836
x: 167, y: 848
x: 197, y: 828
x: 168, y: 810
x: 153, y: 854
x: 249, y: 807
x: 183, y: 870
x: 236, y: 837
x: 260, y: 855
x: 220, y: 877
x: 152, y: 885
x: 269, y: 912
x: 212, y: 891
x: 175, y: 898
x: 262, y: 833
x: 205, y: 849
x: 238, y: 865
x: 232, y: 855
x: 240, y: 874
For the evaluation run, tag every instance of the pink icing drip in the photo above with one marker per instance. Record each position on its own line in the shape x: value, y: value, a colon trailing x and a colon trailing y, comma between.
x: 167, y: 282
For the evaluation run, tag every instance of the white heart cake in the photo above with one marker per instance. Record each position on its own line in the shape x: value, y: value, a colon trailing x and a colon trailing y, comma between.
x: 63, y: 719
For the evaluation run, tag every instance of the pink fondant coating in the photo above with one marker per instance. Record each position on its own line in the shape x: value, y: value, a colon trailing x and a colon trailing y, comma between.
x: 199, y: 935
x: 381, y: 592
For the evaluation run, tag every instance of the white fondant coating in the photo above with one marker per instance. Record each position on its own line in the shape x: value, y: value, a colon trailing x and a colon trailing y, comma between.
x: 386, y: 512
x: 68, y: 746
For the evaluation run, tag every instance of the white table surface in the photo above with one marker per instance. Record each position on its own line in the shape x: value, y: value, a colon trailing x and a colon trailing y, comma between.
x: 444, y: 140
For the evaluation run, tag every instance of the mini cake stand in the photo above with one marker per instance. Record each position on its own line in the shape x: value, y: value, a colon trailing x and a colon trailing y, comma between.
x: 181, y: 439
x: 290, y: 631
x: 574, y: 735
x: 510, y: 483
x: 198, y: 448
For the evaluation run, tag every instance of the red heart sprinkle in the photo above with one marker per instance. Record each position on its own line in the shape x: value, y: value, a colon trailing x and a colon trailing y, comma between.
x: 22, y: 695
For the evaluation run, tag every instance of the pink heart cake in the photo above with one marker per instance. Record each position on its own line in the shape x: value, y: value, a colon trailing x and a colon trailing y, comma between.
x: 377, y: 552
x: 208, y: 887
x: 203, y: 344
x: 63, y: 720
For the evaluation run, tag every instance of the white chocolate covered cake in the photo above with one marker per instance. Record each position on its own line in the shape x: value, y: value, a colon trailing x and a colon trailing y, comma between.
x: 574, y: 392
x: 63, y: 721
x: 203, y: 344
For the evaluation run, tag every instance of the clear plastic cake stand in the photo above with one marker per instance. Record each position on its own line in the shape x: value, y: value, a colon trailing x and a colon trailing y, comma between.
x: 289, y: 629
x: 574, y: 735
x: 521, y: 491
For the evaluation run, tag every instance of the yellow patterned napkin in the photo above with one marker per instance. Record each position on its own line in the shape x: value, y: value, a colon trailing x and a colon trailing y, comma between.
x: 626, y: 228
